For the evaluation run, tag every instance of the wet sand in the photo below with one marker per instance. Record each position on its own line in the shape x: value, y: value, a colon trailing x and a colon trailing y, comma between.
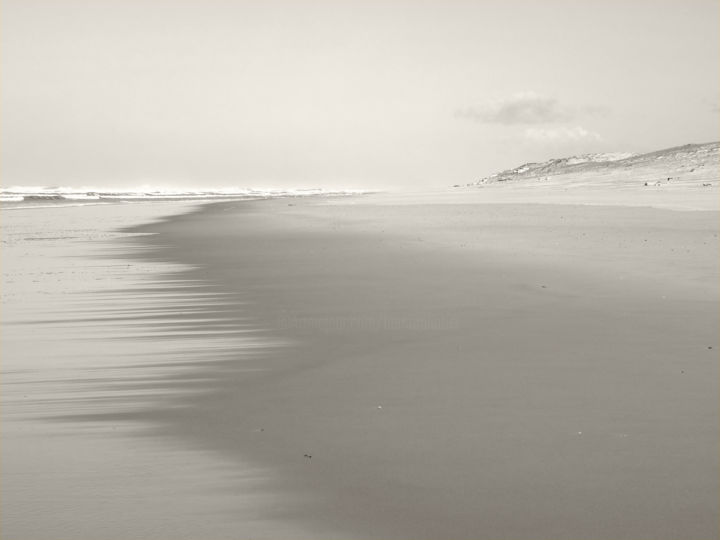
x: 459, y: 370
x: 90, y: 336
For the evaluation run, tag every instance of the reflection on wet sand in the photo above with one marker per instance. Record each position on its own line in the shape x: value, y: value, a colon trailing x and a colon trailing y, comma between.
x: 91, y: 338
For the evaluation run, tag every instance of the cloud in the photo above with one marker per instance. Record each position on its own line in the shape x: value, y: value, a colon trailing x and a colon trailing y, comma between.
x: 537, y: 119
x: 560, y: 134
x: 519, y: 109
x: 600, y: 111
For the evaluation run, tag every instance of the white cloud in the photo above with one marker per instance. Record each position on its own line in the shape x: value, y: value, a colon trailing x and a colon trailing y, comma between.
x: 560, y: 134
x: 519, y: 108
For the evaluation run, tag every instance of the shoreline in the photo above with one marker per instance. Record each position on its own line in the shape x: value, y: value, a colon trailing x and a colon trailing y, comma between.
x: 381, y: 366
x: 90, y: 335
x: 448, y: 376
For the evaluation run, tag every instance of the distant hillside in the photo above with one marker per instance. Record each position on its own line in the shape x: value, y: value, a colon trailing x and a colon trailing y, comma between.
x: 683, y: 166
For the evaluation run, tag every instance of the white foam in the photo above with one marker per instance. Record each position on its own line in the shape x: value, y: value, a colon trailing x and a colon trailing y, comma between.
x: 38, y: 196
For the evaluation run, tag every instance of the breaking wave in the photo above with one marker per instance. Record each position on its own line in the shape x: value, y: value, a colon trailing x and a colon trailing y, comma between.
x: 43, y: 197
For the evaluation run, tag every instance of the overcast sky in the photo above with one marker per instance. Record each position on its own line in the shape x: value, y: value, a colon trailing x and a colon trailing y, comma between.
x: 344, y: 93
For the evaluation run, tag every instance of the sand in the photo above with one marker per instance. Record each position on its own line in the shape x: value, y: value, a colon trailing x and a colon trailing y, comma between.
x: 86, y: 330
x: 461, y: 369
x: 464, y: 364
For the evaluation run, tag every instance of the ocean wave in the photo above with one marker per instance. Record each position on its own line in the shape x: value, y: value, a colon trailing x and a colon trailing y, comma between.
x: 23, y: 206
x: 29, y: 196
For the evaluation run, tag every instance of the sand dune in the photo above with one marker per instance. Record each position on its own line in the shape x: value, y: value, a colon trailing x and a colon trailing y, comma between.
x: 681, y: 167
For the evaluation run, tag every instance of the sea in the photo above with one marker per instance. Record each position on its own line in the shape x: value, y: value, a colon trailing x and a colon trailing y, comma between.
x: 17, y: 197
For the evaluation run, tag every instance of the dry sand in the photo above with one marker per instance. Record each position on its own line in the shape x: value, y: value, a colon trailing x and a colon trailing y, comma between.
x: 457, y: 369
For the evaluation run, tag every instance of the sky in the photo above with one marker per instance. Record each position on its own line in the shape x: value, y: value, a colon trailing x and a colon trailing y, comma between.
x: 378, y: 94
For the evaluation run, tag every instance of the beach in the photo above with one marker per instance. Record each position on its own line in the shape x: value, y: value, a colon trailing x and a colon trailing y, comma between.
x: 442, y: 365
x: 358, y: 270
